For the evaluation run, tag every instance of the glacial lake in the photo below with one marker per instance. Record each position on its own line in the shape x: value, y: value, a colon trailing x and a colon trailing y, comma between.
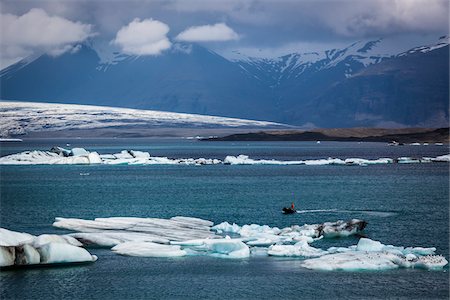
x: 404, y: 205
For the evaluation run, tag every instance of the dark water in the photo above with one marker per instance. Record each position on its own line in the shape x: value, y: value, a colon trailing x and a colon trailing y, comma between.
x: 405, y: 205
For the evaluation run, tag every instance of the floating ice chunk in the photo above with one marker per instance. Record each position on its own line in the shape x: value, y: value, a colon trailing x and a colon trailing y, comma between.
x: 419, y: 251
x: 431, y: 262
x: 245, y: 160
x: 258, y: 251
x: 442, y: 158
x: 227, y: 248
x: 227, y: 227
x: 7, y: 256
x: 94, y: 158
x: 140, y: 154
x: 53, y: 238
x: 64, y: 253
x: 363, y: 162
x: 148, y: 249
x: 261, y: 242
x: 341, y: 228
x: 320, y: 162
x: 79, y: 152
x: 301, y: 249
x: 407, y: 160
x: 97, y: 239
x: 373, y: 255
x: 12, y: 238
x: 191, y: 220
x: 369, y: 245
x: 61, y: 151
x: 258, y: 230
x: 27, y: 255
x: 353, y: 261
x: 199, y: 242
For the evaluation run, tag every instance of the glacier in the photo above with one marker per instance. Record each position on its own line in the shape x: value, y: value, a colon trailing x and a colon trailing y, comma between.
x: 54, y: 117
x: 81, y: 156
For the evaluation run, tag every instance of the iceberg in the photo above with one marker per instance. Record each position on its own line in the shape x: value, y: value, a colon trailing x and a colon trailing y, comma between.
x: 27, y: 255
x: 64, y: 253
x: 148, y: 249
x: 22, y: 249
x: 227, y: 248
x: 301, y: 249
x: 373, y: 255
x: 58, y: 155
x: 187, y: 236
x: 7, y: 256
x: 12, y: 238
x: 341, y: 228
x: 442, y: 158
x: 43, y: 239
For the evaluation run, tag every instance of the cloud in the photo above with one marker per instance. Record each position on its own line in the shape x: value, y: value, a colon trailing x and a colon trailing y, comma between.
x: 146, y: 37
x: 37, y: 31
x: 208, y: 33
x: 387, y: 17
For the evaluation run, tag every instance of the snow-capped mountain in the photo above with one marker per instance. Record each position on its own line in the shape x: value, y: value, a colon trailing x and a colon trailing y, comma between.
x: 298, y: 88
x: 276, y: 70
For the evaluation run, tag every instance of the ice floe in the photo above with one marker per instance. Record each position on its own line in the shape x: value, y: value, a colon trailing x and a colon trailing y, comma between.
x: 22, y: 249
x: 187, y: 236
x: 148, y: 249
x: 59, y: 155
x: 373, y: 255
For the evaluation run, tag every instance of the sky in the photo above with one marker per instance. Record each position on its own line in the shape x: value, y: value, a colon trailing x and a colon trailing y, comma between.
x: 256, y: 28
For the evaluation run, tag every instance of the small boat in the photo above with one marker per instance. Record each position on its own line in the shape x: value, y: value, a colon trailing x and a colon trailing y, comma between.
x: 288, y: 210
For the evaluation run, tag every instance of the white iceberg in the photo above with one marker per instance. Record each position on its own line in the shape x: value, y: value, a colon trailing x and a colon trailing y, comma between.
x: 373, y: 255
x: 64, y: 253
x: 43, y: 239
x: 227, y: 248
x: 19, y: 249
x: 27, y: 255
x: 7, y: 256
x: 301, y: 249
x: 442, y: 158
x: 148, y: 249
x: 58, y: 155
x: 12, y: 238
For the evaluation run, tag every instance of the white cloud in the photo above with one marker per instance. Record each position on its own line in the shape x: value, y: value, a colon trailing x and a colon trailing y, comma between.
x: 208, y: 33
x: 146, y: 37
x: 37, y: 31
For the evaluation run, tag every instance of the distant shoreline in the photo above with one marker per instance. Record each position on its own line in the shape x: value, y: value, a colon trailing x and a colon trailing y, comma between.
x: 401, y: 136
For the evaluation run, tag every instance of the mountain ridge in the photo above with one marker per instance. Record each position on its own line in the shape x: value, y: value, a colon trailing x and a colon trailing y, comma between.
x: 296, y: 89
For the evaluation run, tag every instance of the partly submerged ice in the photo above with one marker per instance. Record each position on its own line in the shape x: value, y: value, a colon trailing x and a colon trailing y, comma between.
x: 373, y: 255
x: 58, y: 155
x: 18, y: 249
x: 187, y: 236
